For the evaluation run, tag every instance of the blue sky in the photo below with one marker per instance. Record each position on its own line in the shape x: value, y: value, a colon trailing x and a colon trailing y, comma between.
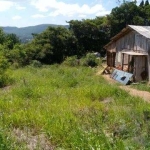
x: 21, y: 13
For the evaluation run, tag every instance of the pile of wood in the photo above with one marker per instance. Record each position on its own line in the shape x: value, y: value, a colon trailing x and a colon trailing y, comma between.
x: 108, y: 70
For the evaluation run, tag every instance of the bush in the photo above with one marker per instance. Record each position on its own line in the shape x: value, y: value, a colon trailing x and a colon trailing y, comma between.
x: 90, y: 60
x: 71, y: 61
x: 36, y: 63
x: 4, y: 75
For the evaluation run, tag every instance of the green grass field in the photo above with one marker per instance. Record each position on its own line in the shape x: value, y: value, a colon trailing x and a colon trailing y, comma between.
x: 68, y: 109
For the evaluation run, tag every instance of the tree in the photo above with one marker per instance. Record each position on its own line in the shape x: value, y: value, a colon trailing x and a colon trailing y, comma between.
x: 11, y: 40
x: 146, y: 3
x: 124, y: 15
x: 17, y: 55
x: 51, y: 46
x: 142, y: 3
x: 2, y: 36
x: 91, y: 34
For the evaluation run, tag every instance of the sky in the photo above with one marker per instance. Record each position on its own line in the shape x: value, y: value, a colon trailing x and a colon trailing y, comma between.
x: 22, y: 13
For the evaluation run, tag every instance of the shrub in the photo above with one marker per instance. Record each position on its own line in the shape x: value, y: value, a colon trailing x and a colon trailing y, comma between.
x: 71, y: 61
x: 4, y: 74
x: 36, y: 63
x: 90, y: 60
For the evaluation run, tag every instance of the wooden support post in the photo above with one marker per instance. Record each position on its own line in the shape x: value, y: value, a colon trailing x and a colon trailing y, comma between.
x: 149, y: 68
x: 122, y: 61
x: 112, y: 59
x: 128, y: 62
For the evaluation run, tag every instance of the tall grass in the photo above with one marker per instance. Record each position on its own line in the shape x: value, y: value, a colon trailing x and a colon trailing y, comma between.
x: 74, y: 109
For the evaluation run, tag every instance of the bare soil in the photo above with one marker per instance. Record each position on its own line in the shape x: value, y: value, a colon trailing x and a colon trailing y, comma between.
x: 134, y: 92
x: 32, y: 141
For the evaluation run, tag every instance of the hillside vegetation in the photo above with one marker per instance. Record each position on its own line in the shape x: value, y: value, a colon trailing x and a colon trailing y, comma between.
x: 71, y: 108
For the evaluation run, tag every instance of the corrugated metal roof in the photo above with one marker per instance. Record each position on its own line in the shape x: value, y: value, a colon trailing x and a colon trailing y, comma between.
x: 143, y: 30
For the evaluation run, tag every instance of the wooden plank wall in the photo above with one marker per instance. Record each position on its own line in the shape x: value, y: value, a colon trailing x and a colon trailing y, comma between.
x: 111, y: 59
x: 140, y: 43
x: 112, y: 47
x: 126, y: 42
x: 148, y: 49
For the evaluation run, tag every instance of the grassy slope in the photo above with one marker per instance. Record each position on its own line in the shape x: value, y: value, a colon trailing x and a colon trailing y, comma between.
x: 74, y: 108
x: 142, y: 86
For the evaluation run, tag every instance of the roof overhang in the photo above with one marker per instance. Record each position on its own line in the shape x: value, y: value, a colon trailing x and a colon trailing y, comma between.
x: 134, y: 53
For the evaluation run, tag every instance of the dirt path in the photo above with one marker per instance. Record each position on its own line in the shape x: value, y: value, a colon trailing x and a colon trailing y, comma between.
x: 134, y: 92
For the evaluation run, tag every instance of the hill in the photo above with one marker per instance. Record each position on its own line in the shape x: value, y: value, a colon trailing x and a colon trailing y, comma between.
x: 25, y: 33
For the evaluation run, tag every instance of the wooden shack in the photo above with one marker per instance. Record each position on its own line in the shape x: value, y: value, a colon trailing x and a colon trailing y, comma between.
x: 129, y: 51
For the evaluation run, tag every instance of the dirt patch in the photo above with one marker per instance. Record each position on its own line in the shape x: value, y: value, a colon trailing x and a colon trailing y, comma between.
x: 32, y: 142
x: 109, y: 79
x: 107, y: 100
x: 134, y: 92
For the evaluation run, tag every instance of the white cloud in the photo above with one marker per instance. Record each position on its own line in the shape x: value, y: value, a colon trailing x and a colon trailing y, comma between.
x: 38, y: 16
x: 16, y: 17
x: 5, y: 5
x: 20, y: 7
x: 60, y: 8
x: 82, y: 16
x: 103, y: 13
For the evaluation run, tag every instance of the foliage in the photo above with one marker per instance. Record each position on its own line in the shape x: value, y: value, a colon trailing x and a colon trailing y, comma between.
x: 2, y: 36
x: 36, y: 63
x: 90, y: 60
x: 146, y: 3
x: 122, y: 16
x: 55, y: 44
x: 4, y: 143
x: 11, y: 41
x: 71, y: 61
x: 91, y: 34
x: 51, y: 46
x: 128, y: 13
x: 142, y: 3
x: 4, y: 74
x: 16, y: 56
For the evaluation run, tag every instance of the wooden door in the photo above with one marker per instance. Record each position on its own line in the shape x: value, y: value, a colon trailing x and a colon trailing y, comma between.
x: 140, y: 68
